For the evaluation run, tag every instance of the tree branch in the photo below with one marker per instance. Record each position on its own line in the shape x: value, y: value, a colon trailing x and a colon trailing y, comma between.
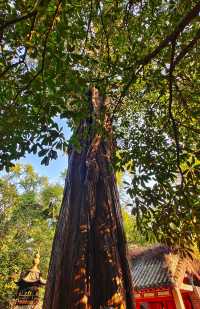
x: 18, y: 19
x: 10, y: 67
x: 173, y: 36
x: 186, y: 49
x: 22, y: 60
x: 43, y: 53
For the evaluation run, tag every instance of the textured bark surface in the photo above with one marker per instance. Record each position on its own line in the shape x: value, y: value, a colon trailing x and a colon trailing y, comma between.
x: 89, y: 266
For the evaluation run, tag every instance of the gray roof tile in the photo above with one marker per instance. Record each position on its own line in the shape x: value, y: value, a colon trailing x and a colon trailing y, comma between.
x: 159, y: 267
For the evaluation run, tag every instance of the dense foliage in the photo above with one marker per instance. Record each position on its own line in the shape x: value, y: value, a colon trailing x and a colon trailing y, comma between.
x: 29, y: 207
x: 144, y: 55
x: 26, y: 224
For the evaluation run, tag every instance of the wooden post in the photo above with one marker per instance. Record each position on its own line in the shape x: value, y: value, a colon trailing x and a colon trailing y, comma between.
x: 178, y: 298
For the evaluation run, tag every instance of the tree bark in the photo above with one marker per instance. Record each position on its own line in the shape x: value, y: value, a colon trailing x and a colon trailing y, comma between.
x: 89, y: 266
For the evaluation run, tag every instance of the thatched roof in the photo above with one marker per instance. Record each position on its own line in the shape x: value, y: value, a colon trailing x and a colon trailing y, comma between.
x: 160, y: 266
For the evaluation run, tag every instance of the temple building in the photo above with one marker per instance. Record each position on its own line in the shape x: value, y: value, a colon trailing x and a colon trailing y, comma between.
x: 163, y: 279
x: 28, y: 287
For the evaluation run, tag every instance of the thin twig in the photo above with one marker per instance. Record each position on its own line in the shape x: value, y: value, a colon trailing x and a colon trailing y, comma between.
x: 174, y: 123
x: 22, y: 60
x: 18, y: 19
x: 105, y: 33
x: 195, y: 130
x: 13, y: 65
x: 186, y: 49
x: 124, y: 92
x: 88, y: 26
x: 182, y: 98
x: 43, y: 54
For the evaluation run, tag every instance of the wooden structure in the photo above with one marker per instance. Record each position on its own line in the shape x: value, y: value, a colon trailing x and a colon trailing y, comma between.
x: 29, y: 283
x: 163, y: 279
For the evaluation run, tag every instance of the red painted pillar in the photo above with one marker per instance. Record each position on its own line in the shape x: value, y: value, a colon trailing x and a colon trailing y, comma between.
x: 137, y: 305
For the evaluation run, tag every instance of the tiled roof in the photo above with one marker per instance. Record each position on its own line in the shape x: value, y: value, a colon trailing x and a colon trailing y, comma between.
x: 160, y: 267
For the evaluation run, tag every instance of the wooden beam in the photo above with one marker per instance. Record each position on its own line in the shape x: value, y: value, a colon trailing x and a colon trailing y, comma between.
x: 186, y: 287
x: 178, y: 298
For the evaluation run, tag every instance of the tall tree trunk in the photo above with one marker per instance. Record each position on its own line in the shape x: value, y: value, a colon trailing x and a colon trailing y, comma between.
x: 89, y: 266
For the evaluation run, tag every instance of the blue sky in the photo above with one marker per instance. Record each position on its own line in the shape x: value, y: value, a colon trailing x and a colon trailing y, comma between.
x: 55, y: 167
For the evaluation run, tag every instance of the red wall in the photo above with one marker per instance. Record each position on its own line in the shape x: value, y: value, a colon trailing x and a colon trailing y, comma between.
x: 163, y: 302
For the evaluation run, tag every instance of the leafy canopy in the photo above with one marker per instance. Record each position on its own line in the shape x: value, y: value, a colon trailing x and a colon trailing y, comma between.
x: 144, y: 55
